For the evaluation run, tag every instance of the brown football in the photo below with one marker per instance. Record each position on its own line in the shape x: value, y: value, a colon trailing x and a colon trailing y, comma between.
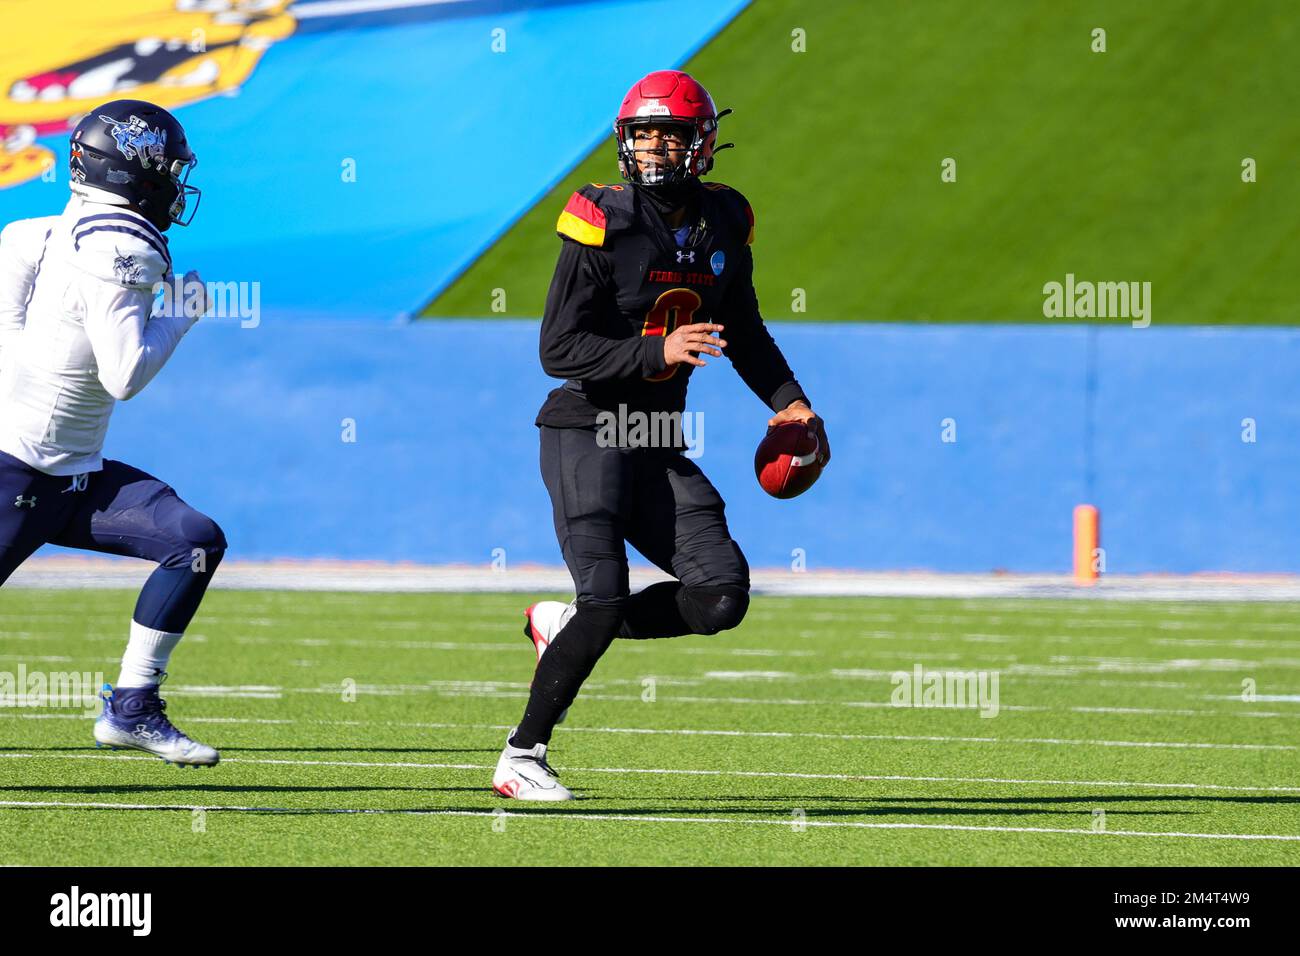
x: 788, y: 460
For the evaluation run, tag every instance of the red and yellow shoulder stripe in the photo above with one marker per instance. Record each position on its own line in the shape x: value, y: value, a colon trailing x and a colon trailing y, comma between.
x: 582, y: 220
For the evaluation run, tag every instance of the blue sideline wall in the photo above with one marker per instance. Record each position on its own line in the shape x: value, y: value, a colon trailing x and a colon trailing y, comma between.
x: 248, y: 424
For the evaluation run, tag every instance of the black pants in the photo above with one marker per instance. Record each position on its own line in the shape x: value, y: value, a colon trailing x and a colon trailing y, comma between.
x: 657, y: 500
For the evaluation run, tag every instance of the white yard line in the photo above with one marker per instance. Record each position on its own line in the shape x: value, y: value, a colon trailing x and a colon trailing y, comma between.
x: 1251, y: 643
x: 895, y: 738
x: 662, y: 771
x: 558, y: 814
x: 799, y: 702
x: 517, y: 690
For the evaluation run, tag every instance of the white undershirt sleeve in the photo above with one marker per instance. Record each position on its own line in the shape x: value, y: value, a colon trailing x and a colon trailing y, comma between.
x: 130, y: 345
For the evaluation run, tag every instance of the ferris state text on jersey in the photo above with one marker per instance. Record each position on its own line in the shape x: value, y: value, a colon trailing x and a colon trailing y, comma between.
x: 624, y: 276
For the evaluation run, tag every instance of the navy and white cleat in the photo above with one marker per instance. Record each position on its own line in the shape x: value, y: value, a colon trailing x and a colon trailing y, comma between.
x: 135, y: 718
x: 543, y: 621
x: 525, y: 775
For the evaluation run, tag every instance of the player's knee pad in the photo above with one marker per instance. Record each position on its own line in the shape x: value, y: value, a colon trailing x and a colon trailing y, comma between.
x: 709, y: 610
x: 202, y: 543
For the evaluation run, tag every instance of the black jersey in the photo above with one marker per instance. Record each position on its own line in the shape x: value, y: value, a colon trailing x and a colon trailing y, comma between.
x: 623, y: 284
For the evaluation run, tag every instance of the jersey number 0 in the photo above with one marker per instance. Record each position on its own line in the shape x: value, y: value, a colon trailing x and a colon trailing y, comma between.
x: 675, y: 307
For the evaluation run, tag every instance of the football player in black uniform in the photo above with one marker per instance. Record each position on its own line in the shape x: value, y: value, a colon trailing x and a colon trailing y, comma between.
x: 654, y: 275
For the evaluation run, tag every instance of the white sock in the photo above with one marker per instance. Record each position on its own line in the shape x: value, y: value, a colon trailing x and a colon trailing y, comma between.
x: 147, y: 653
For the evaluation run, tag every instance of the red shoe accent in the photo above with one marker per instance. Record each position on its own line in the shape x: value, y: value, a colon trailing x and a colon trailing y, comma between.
x: 507, y: 789
x: 537, y: 637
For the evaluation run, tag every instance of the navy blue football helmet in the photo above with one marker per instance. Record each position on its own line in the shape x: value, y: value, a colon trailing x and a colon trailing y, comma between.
x: 136, y: 153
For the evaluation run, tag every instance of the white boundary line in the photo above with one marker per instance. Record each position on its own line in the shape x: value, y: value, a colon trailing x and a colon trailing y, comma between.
x: 632, y: 818
x: 660, y: 771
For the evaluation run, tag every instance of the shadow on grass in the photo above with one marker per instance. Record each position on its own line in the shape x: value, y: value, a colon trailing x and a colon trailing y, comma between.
x: 1089, y: 801
x: 597, y: 801
x: 359, y: 750
x: 588, y: 806
x: 183, y: 784
x: 288, y: 750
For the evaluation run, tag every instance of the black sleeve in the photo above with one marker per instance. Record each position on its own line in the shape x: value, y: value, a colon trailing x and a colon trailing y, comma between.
x: 750, y: 346
x: 581, y: 300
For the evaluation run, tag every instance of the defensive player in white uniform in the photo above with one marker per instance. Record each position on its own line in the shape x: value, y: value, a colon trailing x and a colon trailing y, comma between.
x: 79, y: 332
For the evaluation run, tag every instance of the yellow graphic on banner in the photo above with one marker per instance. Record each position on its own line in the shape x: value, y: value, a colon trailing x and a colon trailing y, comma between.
x: 61, y: 58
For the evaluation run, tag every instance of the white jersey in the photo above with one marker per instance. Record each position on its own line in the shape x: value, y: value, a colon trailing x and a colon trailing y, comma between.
x: 76, y: 329
x: 21, y: 246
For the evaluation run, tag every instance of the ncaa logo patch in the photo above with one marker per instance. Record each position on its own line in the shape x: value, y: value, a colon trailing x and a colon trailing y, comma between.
x: 718, y: 262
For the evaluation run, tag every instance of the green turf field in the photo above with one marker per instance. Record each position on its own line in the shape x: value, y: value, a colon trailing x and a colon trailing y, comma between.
x: 774, y: 743
x: 1117, y: 166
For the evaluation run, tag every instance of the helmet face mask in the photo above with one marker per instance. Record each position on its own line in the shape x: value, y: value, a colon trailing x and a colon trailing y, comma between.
x: 669, y: 101
x: 179, y: 173
x: 675, y: 136
x: 133, y: 153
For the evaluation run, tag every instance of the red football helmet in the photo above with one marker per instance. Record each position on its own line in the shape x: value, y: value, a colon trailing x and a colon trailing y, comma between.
x: 668, y: 98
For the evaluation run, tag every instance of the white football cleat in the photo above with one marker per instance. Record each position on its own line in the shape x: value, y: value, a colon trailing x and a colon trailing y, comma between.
x: 135, y: 718
x: 525, y: 774
x: 545, y: 620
